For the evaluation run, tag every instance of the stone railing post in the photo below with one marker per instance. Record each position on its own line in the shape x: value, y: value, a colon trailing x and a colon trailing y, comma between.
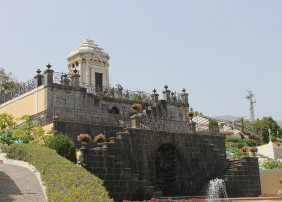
x: 155, y: 96
x: 192, y: 127
x: 48, y: 76
x: 166, y: 94
x: 38, y: 78
x: 135, y: 121
x: 184, y: 97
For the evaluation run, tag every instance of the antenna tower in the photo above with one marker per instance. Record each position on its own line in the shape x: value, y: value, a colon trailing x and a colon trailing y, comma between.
x: 250, y: 97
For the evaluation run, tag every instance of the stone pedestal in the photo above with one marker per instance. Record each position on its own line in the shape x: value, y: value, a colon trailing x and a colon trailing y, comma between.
x: 135, y: 121
x: 38, y: 80
x: 192, y: 127
x: 75, y: 80
x: 48, y: 77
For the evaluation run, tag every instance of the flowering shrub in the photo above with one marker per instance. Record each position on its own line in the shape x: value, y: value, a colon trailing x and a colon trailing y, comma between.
x: 245, y: 149
x: 137, y: 106
x: 267, y: 195
x: 84, y: 137
x: 100, y: 138
x: 254, y: 149
x: 228, y: 132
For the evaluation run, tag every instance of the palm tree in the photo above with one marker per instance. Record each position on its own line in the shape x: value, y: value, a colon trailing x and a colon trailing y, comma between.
x: 242, y: 122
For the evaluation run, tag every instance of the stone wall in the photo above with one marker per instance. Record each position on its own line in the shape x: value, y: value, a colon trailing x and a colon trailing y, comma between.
x: 243, y: 178
x: 130, y: 163
x: 77, y: 98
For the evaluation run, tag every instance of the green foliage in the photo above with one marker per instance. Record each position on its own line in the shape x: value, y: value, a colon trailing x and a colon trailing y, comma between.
x: 238, y: 153
x: 63, y: 146
x: 6, y: 137
x: 268, y: 123
x: 269, y: 164
x: 25, y: 130
x: 6, y: 120
x: 213, y: 122
x: 7, y: 81
x: 64, y: 180
x: 28, y: 131
x: 246, y: 142
x: 213, y: 127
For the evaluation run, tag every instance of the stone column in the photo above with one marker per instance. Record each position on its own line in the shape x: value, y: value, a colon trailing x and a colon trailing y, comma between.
x: 185, y: 98
x: 87, y: 69
x: 81, y: 70
x: 166, y: 94
x: 38, y: 78
x: 48, y: 76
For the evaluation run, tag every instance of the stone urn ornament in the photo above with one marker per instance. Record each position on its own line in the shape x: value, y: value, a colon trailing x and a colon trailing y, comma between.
x: 84, y: 139
x: 100, y: 139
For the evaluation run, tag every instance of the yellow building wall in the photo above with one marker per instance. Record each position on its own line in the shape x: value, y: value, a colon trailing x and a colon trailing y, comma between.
x: 26, y: 104
x: 269, y: 181
x: 47, y: 127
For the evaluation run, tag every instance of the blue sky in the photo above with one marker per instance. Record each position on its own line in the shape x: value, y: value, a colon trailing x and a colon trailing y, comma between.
x: 217, y: 50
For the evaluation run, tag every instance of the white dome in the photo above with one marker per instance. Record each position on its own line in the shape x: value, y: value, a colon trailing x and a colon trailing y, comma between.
x: 88, y: 46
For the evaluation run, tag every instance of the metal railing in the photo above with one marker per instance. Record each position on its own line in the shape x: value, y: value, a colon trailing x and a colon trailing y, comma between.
x: 97, y: 118
x: 18, y: 90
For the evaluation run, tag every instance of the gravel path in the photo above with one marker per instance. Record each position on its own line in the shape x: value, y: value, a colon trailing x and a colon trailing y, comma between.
x: 19, y: 184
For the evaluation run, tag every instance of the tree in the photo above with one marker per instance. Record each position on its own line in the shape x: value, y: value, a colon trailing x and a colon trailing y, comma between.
x: 268, y: 123
x: 242, y: 122
x: 7, y: 81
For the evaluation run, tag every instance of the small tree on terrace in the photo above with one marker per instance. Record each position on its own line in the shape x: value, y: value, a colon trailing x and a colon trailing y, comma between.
x: 213, y: 126
x: 242, y: 122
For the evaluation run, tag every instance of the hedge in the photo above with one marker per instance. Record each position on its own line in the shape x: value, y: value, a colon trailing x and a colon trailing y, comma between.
x: 246, y: 142
x: 64, y: 180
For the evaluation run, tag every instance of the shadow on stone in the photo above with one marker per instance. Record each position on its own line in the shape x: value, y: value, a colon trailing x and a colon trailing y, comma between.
x: 8, y: 188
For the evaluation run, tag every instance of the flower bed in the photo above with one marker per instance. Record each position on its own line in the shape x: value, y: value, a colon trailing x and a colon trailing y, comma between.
x: 64, y: 180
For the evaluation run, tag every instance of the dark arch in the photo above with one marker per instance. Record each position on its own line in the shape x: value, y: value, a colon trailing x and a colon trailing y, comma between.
x: 114, y: 110
x: 168, y: 176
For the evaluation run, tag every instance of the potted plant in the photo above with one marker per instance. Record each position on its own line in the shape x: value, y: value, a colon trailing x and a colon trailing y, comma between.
x: 84, y: 138
x: 137, y: 107
x: 254, y: 150
x: 244, y: 149
x: 99, y: 139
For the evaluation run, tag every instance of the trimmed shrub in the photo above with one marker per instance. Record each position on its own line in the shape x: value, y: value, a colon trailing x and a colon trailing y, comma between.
x: 63, y: 146
x: 64, y: 180
x: 246, y: 142
x: 270, y: 164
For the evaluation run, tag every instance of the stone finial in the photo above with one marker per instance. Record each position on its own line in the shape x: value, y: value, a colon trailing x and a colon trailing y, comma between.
x: 49, y: 66
x: 166, y: 87
x: 38, y: 71
x: 183, y: 90
x: 154, y: 91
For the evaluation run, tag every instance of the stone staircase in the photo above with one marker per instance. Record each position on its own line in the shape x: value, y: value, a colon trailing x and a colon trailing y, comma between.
x: 110, y: 163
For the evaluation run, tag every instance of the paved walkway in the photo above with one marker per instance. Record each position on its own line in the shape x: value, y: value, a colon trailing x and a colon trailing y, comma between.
x: 19, y: 184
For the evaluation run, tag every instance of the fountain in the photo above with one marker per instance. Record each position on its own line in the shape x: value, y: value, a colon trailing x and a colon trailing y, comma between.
x: 216, y: 189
